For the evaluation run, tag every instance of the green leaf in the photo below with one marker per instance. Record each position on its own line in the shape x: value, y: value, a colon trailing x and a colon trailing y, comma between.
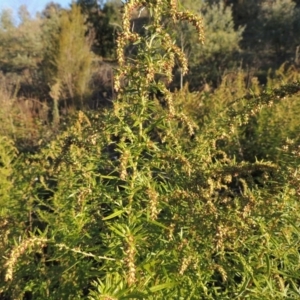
x: 117, y: 231
x: 163, y: 286
x: 158, y: 224
x: 268, y: 265
x: 108, y: 177
x: 115, y: 214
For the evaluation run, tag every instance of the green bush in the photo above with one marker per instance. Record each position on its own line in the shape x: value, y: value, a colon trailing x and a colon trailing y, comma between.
x: 209, y: 61
x: 278, y: 19
x: 141, y: 202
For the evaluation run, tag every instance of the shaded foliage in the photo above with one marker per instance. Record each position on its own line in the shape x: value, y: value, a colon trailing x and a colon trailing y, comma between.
x: 103, y: 22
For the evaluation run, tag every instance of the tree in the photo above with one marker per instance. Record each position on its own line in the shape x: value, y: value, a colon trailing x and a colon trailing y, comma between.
x: 68, y: 59
x: 278, y: 19
x: 6, y: 20
x: 74, y: 58
x: 270, y: 36
x: 20, y: 47
x: 209, y: 61
x: 103, y: 21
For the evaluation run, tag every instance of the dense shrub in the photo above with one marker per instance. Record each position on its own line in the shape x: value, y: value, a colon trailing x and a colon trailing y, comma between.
x: 208, y: 62
x: 142, y: 202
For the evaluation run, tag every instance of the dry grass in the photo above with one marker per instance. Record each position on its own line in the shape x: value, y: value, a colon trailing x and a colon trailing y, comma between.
x: 21, y: 119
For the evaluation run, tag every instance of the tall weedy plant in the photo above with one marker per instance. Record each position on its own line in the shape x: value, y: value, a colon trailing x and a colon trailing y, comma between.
x: 91, y: 200
x: 151, y: 157
x: 138, y: 202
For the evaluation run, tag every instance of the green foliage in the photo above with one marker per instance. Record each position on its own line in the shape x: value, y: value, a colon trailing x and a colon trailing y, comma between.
x: 142, y: 202
x: 50, y: 38
x: 270, y: 36
x: 75, y: 70
x: 20, y: 47
x: 208, y: 62
x: 276, y: 126
x: 104, y: 22
x: 8, y: 154
x: 278, y: 19
x: 70, y: 56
